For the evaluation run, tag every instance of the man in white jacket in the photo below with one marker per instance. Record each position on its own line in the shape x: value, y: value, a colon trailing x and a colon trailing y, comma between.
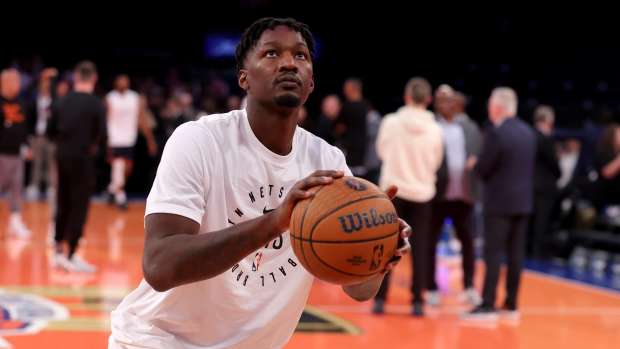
x: 411, y: 148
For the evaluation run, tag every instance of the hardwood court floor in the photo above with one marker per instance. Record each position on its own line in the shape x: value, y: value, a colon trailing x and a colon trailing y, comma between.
x: 52, y: 309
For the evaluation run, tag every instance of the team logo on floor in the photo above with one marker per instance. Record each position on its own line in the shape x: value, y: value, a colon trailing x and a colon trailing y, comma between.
x: 25, y: 313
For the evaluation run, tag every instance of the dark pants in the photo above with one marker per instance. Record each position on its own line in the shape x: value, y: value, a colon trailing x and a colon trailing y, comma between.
x: 418, y: 215
x: 461, y: 214
x: 540, y: 223
x: 503, y: 234
x: 75, y: 184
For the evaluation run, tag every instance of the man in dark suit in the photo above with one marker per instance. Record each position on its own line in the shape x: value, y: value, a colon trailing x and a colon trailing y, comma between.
x: 546, y: 174
x: 506, y: 167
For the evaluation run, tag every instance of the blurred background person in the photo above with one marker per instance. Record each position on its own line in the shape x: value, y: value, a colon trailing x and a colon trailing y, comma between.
x: 330, y: 108
x: 352, y: 117
x: 607, y: 162
x: 233, y: 103
x: 43, y: 163
x: 546, y: 175
x: 124, y: 119
x: 78, y: 127
x: 411, y: 148
x: 506, y: 167
x: 456, y: 188
x: 15, y: 127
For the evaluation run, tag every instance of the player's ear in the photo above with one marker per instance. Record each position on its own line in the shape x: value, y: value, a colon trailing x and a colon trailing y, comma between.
x: 311, y: 84
x: 243, y: 79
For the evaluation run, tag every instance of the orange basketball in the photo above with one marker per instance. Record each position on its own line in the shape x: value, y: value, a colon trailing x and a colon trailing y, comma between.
x: 346, y: 233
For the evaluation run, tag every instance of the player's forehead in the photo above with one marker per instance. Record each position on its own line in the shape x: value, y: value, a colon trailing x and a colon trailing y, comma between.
x: 282, y: 36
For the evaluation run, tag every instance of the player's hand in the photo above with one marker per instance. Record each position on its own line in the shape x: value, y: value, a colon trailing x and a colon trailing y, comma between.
x: 300, y: 191
x: 405, y: 232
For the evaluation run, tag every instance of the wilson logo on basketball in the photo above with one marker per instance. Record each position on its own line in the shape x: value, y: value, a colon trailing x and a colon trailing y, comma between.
x: 354, y: 222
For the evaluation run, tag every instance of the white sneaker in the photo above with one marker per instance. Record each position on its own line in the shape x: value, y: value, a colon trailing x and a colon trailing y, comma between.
x: 51, y: 234
x: 80, y: 265
x: 60, y: 261
x: 471, y: 296
x: 32, y: 193
x: 17, y: 227
x: 433, y: 298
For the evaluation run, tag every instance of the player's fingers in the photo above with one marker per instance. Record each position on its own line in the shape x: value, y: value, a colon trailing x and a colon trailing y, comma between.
x: 405, y: 229
x: 299, y: 194
x: 404, y: 249
x: 327, y: 173
x: 391, y: 191
x: 314, y: 181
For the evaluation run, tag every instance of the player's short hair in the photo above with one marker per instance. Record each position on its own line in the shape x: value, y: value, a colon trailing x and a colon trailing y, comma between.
x: 544, y: 113
x: 419, y: 89
x: 85, y: 70
x: 251, y: 36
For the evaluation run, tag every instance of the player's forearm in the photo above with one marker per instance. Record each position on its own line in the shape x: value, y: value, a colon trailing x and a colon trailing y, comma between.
x: 366, y: 290
x: 180, y: 259
x: 612, y: 169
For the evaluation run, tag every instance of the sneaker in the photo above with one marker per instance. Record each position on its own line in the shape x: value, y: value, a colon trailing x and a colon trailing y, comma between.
x: 471, y: 296
x: 51, y: 234
x: 378, y: 308
x: 418, y: 309
x: 123, y: 206
x: 433, y: 298
x: 60, y: 261
x: 32, y: 193
x: 17, y: 227
x: 510, y: 313
x: 481, y: 313
x: 81, y: 266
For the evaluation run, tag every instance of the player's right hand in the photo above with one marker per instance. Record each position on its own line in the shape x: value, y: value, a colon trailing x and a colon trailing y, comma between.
x: 300, y: 191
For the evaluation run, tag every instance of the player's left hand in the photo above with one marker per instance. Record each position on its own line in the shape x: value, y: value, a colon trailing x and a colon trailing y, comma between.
x: 405, y: 232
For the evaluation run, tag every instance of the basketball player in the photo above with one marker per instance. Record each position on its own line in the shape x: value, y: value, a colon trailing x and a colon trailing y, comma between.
x: 125, y: 112
x: 218, y: 265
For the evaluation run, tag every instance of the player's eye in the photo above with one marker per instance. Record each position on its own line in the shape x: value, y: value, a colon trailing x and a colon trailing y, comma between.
x: 271, y: 54
x: 301, y: 55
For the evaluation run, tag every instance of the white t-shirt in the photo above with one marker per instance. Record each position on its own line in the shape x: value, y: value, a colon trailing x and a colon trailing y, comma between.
x: 217, y: 173
x: 123, y: 110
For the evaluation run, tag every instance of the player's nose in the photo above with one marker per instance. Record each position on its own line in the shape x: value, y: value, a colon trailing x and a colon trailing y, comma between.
x: 287, y: 62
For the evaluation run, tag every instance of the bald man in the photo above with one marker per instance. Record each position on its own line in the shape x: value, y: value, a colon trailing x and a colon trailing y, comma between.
x: 15, y: 126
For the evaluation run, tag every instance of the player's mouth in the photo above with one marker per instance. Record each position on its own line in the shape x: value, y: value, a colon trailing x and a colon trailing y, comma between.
x: 288, y: 81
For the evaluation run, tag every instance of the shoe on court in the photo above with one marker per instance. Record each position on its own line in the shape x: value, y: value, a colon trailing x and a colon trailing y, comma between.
x: 481, y: 313
x: 433, y: 298
x: 60, y: 261
x: 18, y: 228
x: 418, y: 309
x: 378, y: 307
x: 81, y: 266
x: 472, y: 297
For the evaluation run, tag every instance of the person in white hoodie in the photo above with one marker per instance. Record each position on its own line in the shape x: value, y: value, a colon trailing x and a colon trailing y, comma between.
x: 411, y: 147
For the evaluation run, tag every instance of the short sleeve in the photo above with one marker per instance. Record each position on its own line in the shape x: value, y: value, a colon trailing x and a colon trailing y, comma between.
x: 181, y: 183
x: 337, y: 161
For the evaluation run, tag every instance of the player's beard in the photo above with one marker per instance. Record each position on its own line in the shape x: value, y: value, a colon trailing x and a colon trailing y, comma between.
x: 287, y: 100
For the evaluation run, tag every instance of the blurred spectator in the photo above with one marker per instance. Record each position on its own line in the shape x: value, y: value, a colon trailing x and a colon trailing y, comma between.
x: 546, y: 175
x: 608, y: 165
x: 569, y: 154
x: 353, y: 116
x: 506, y: 167
x: 15, y: 126
x: 456, y: 187
x: 186, y: 102
x: 372, y: 164
x: 330, y: 108
x: 410, y: 145
x: 62, y: 88
x: 171, y: 118
x: 43, y: 163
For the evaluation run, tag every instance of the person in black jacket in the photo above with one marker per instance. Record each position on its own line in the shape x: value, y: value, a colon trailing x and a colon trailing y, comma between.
x: 78, y: 127
x: 546, y: 174
x: 506, y: 167
x: 353, y: 117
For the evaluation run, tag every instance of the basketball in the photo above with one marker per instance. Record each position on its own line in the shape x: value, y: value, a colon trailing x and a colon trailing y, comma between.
x: 346, y: 233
